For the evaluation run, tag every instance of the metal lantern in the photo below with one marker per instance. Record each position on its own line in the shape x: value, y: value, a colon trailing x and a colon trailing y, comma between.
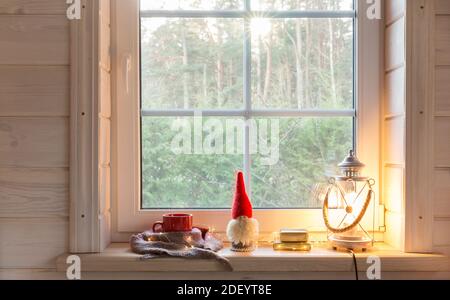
x: 346, y: 202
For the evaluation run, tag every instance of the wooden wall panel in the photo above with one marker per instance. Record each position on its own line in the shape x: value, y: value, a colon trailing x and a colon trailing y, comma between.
x: 34, y: 142
x: 393, y: 192
x: 441, y: 193
x: 441, y: 129
x: 33, y: 7
x: 442, y: 6
x: 442, y: 142
x: 395, y: 40
x: 104, y: 142
x: 441, y: 236
x: 34, y: 91
x: 105, y: 34
x: 394, y: 10
x: 394, y: 233
x: 419, y: 219
x: 104, y: 188
x: 442, y: 249
x: 394, y: 150
x: 90, y: 194
x: 105, y: 229
x: 442, y: 87
x: 34, y: 132
x: 442, y: 37
x: 105, y: 123
x: 393, y: 133
x: 32, y: 243
x: 395, y: 92
x: 33, y: 193
x: 105, y: 94
x: 34, y: 40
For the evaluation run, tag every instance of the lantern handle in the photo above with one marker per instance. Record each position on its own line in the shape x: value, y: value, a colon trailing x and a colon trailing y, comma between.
x: 354, y: 223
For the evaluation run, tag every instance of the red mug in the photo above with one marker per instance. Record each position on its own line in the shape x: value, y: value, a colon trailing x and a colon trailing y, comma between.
x: 174, y: 223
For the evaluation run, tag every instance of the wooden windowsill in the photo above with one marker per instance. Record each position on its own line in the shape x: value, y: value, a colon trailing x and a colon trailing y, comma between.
x: 118, y: 258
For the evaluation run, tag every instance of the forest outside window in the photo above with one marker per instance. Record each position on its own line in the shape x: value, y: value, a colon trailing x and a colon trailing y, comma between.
x: 270, y: 87
x: 285, y: 65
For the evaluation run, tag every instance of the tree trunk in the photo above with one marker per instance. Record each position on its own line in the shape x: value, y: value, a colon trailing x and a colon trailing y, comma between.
x: 205, y: 83
x: 298, y: 64
x: 219, y: 81
x: 288, y: 81
x: 230, y: 74
x: 307, y: 64
x: 267, y: 79
x: 220, y: 70
x: 185, y: 71
x: 331, y: 59
x: 258, y: 72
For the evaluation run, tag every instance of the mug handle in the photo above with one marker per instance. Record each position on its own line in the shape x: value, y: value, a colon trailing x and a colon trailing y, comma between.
x: 157, y: 223
x: 203, y: 230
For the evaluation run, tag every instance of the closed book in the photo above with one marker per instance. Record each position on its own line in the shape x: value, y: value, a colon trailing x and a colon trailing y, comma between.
x: 293, y: 235
x: 291, y: 246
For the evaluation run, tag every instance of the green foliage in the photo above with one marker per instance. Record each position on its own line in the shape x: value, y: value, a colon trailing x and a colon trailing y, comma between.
x: 198, y: 63
x: 179, y: 181
x: 310, y: 149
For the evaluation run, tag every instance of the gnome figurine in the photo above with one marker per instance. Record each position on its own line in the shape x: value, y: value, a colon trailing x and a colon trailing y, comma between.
x: 242, y: 230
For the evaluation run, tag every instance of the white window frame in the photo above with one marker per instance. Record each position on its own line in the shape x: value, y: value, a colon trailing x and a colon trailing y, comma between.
x: 128, y: 216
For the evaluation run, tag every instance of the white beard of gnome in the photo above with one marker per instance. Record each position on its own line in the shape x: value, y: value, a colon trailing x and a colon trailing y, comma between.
x: 243, y: 230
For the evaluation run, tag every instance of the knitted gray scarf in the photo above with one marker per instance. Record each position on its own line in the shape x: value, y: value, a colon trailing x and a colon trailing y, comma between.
x: 189, y: 245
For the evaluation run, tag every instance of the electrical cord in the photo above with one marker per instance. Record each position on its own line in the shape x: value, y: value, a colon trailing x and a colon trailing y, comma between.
x: 354, y: 263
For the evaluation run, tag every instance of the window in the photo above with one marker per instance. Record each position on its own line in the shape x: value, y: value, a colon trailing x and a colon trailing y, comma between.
x: 267, y: 86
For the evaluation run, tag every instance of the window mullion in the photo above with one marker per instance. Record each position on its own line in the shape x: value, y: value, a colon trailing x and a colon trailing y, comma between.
x: 247, y: 92
x: 249, y: 113
x: 246, y: 13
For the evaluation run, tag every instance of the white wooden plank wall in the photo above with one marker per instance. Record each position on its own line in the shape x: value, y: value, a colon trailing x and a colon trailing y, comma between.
x: 34, y: 132
x: 441, y: 194
x: 34, y: 128
x: 393, y: 154
x: 91, y: 125
x: 104, y: 91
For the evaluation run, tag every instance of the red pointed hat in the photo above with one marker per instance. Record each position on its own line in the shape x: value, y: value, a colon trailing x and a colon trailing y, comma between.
x: 241, y: 203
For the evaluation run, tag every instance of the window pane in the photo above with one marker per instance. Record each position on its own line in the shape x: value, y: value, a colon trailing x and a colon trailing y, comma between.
x: 302, y: 4
x: 191, y: 4
x: 302, y: 63
x: 309, y: 150
x: 192, y: 63
x: 178, y: 175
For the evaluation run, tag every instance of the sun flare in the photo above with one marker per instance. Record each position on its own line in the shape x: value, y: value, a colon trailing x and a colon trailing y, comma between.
x: 260, y: 27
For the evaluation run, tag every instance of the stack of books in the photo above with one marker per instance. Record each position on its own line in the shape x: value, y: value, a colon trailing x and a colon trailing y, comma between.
x: 292, y: 240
